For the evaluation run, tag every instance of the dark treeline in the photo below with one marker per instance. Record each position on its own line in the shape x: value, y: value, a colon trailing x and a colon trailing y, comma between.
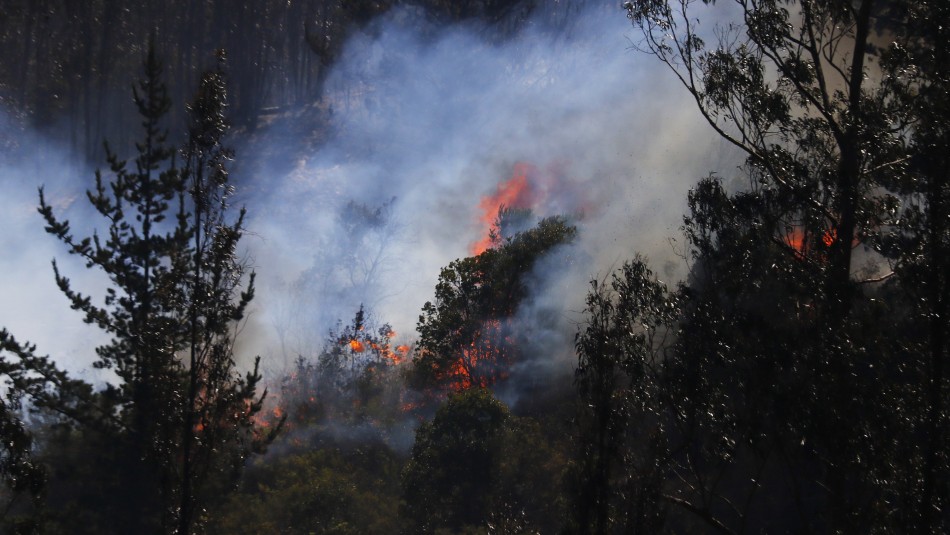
x: 69, y: 62
x: 66, y: 64
x: 794, y: 382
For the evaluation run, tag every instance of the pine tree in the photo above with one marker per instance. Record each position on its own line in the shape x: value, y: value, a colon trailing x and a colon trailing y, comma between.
x: 219, y: 403
x: 180, y: 419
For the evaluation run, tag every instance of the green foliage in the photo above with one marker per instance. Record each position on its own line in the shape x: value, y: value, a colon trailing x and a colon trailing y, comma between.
x: 792, y: 92
x: 620, y: 359
x: 142, y: 309
x: 23, y: 478
x: 218, y: 431
x: 475, y: 466
x: 462, y: 334
x: 918, y: 242
x: 323, y: 491
x: 449, y: 477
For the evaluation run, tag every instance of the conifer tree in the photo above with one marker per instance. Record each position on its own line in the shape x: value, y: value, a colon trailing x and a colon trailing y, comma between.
x: 180, y: 418
x: 219, y: 403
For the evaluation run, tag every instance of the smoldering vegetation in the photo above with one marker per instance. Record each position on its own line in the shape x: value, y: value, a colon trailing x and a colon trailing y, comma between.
x: 428, y: 127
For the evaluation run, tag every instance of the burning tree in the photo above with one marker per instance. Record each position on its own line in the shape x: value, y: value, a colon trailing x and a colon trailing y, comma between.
x: 463, y: 334
x: 354, y: 380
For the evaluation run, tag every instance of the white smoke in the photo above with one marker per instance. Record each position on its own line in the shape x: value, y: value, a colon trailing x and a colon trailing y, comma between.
x: 436, y: 118
x: 33, y: 309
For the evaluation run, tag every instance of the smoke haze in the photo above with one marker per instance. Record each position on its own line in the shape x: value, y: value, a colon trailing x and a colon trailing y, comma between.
x: 423, y: 125
x: 436, y: 120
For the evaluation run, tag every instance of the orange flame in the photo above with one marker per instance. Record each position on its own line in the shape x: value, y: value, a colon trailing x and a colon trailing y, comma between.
x: 544, y: 191
x: 796, y: 239
x: 356, y: 346
x: 483, y: 363
x: 516, y: 192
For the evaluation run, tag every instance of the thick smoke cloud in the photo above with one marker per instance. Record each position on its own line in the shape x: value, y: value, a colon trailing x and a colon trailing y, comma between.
x: 424, y: 122
x: 436, y: 119
x: 33, y: 309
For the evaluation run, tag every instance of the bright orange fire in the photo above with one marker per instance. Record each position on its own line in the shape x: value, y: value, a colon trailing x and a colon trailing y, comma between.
x: 356, y: 346
x: 544, y: 191
x: 483, y: 363
x: 516, y: 192
x: 796, y: 239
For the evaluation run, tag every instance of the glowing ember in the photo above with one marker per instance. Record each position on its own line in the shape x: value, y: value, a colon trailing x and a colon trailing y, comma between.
x: 797, y: 240
x: 829, y: 237
x: 410, y: 406
x: 483, y: 363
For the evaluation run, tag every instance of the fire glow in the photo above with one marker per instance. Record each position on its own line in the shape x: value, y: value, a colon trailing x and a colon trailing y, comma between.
x: 484, y: 362
x: 543, y: 191
x: 798, y: 240
x: 516, y: 192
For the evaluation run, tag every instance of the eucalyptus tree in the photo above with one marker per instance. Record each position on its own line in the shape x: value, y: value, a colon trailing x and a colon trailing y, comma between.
x: 800, y: 391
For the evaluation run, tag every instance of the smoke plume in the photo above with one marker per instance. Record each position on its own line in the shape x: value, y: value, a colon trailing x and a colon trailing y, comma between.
x: 429, y: 123
x: 422, y: 123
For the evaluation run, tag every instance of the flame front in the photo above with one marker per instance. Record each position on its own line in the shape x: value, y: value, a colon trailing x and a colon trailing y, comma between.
x: 516, y: 192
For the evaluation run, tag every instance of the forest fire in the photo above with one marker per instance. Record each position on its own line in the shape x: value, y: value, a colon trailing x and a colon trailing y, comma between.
x: 804, y: 247
x: 484, y: 362
x: 395, y: 356
x: 516, y: 192
x: 541, y: 191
